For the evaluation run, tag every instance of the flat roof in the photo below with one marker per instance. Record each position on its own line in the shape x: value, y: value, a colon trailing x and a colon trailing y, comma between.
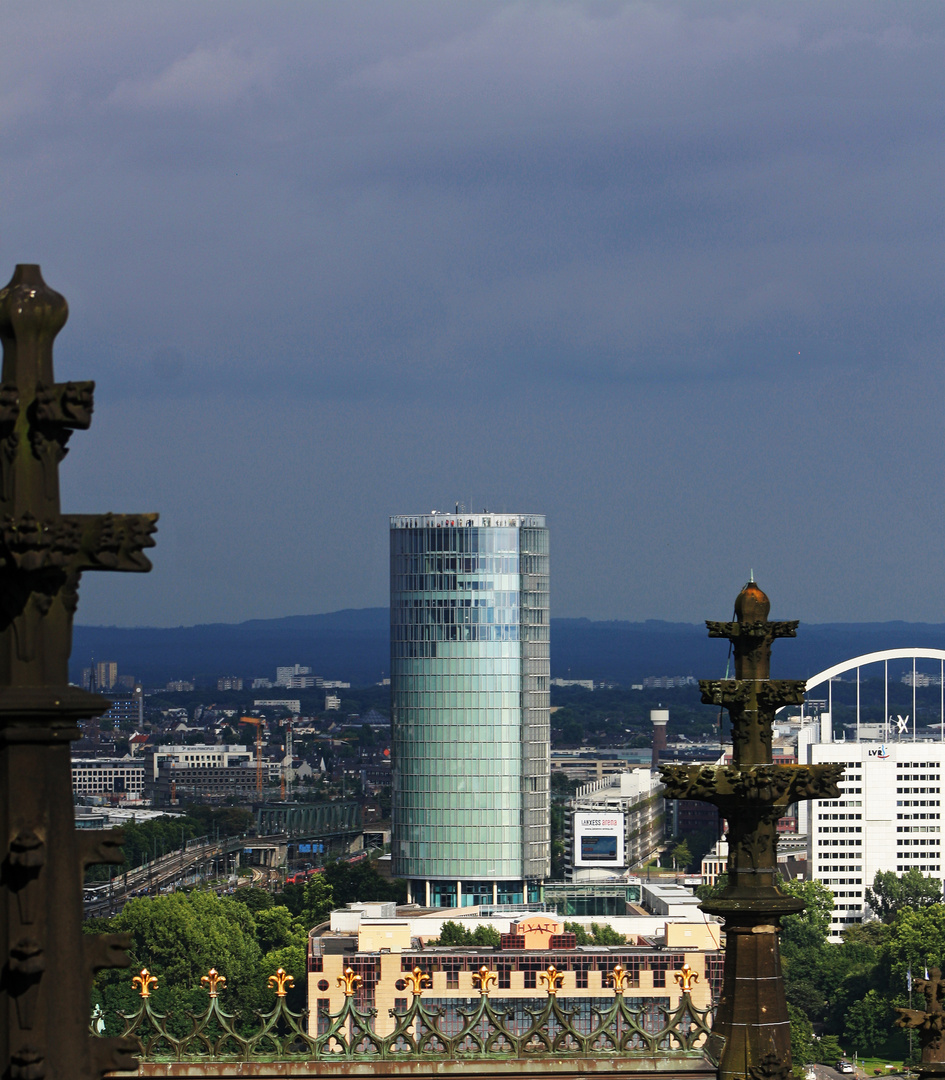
x: 440, y: 520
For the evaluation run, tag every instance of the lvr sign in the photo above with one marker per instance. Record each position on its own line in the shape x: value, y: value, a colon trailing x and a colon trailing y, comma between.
x: 879, y: 752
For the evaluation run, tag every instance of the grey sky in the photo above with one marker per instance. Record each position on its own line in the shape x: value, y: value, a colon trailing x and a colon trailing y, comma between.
x: 668, y: 273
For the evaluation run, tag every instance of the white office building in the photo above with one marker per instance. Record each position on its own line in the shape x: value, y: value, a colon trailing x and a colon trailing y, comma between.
x: 888, y: 816
x: 121, y: 777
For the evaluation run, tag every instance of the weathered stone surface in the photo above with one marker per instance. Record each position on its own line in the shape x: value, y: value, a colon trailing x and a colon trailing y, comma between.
x: 45, y: 994
x: 752, y: 793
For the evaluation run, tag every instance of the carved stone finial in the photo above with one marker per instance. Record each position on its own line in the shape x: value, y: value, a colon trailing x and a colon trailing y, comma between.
x: 751, y: 604
x: 751, y: 794
x: 929, y: 1023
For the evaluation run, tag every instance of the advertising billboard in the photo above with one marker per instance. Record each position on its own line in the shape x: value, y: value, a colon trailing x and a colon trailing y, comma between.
x: 598, y: 839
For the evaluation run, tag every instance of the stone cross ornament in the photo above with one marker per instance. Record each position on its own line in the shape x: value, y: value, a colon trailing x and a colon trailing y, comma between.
x: 43, y: 553
x: 751, y: 1023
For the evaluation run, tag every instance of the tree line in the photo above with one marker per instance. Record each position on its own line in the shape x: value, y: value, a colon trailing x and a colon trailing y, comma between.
x: 246, y: 936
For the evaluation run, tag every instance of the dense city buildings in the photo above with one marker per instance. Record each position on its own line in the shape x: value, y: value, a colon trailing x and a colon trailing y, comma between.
x: 470, y: 676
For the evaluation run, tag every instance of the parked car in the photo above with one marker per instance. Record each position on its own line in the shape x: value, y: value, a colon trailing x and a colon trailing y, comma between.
x: 844, y: 1066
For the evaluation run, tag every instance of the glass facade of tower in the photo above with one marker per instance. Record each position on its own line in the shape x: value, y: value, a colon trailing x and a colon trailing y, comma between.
x: 470, y: 706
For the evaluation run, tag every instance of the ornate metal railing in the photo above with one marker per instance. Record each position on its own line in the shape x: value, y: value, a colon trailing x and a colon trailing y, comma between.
x: 422, y: 1030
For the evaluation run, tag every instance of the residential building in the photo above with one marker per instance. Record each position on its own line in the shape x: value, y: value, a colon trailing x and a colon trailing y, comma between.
x: 470, y: 706
x: 300, y: 682
x: 230, y: 682
x: 127, y: 708
x: 291, y: 671
x: 380, y: 946
x: 292, y: 705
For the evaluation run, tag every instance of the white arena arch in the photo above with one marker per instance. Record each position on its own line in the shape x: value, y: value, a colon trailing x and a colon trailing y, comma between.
x: 883, y: 657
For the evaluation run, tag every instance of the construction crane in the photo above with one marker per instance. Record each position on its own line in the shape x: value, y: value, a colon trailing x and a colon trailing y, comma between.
x: 288, y: 757
x: 259, y: 725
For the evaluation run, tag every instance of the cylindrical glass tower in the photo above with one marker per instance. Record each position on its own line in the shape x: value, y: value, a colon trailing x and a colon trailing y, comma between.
x: 470, y: 706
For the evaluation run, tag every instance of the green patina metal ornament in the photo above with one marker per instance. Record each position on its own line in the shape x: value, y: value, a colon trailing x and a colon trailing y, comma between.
x: 751, y: 1021
x: 642, y: 1036
x: 43, y: 553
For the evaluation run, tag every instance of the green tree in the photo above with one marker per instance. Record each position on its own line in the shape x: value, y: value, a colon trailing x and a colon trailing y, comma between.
x: 276, y: 929
x: 255, y: 898
x: 486, y: 936
x: 805, y: 953
x: 916, y: 941
x: 827, y: 1050
x: 360, y: 882
x: 869, y: 1024
x: 583, y: 938
x: 818, y: 910
x: 802, y: 1036
x: 291, y: 958
x: 602, y: 934
x: 682, y: 856
x: 452, y: 933
x: 318, y: 901
x: 179, y: 938
x: 710, y: 892
x: 891, y: 893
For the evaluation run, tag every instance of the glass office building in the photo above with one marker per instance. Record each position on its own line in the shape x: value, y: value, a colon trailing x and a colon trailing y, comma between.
x: 470, y: 706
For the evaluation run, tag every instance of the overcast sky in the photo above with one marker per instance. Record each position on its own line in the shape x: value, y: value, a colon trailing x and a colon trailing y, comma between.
x: 669, y: 273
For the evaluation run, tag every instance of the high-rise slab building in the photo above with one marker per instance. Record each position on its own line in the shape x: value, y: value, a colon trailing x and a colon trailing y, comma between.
x: 888, y: 818
x: 470, y: 706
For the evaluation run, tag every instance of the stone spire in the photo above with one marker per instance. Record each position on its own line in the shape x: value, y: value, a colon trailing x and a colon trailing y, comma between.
x: 751, y: 794
x: 44, y: 994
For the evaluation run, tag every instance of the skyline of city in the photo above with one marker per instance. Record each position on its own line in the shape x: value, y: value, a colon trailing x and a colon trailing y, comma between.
x: 681, y: 264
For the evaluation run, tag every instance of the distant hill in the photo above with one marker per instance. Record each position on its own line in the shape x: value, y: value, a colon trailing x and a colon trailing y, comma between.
x: 353, y: 645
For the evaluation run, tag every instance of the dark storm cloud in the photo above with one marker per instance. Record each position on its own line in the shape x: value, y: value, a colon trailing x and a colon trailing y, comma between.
x: 426, y: 242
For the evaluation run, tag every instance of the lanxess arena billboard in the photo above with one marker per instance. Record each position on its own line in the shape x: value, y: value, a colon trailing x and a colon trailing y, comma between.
x: 598, y: 839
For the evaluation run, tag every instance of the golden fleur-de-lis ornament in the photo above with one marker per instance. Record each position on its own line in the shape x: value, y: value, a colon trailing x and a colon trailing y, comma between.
x: 282, y: 981
x: 483, y: 979
x: 618, y: 978
x: 144, y: 982
x: 214, y: 982
x: 349, y: 981
x: 417, y: 979
x: 686, y: 978
x: 553, y: 977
